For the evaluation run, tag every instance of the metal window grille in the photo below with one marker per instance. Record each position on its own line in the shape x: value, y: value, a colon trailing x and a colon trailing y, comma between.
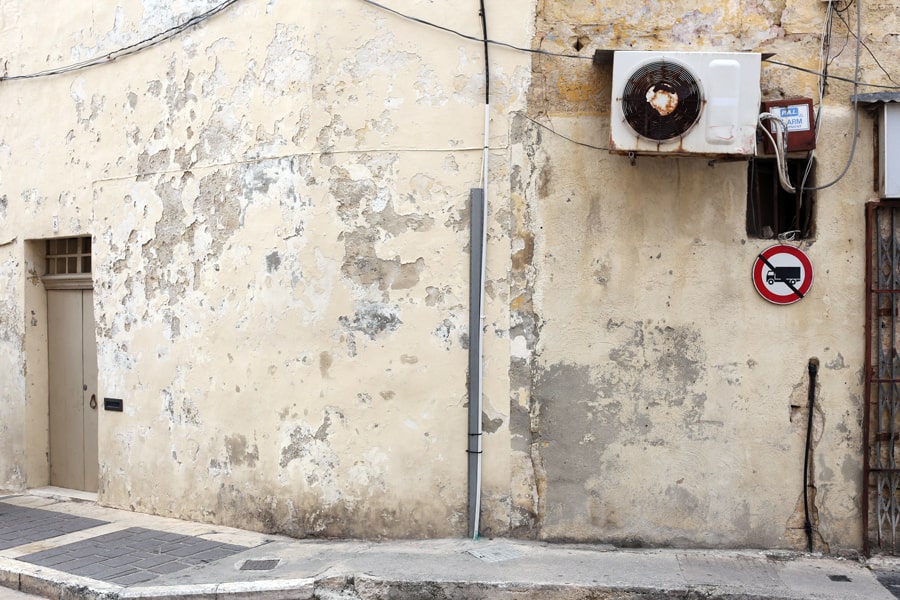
x: 69, y: 256
x: 881, y: 423
x: 771, y: 211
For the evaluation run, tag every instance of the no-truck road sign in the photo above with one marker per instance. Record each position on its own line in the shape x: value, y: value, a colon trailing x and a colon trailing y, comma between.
x: 782, y: 274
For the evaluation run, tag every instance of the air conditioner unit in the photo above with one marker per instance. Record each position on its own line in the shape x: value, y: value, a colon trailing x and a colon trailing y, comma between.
x: 685, y: 103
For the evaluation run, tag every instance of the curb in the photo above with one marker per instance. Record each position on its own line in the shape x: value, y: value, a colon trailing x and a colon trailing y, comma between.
x: 54, y: 587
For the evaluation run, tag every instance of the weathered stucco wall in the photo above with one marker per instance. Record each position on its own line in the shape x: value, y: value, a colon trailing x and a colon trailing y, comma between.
x: 12, y: 385
x: 657, y: 399
x: 278, y: 202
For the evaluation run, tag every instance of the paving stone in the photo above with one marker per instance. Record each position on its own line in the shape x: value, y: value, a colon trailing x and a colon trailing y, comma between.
x: 118, y: 561
x: 21, y: 525
x: 69, y: 566
x: 153, y: 561
x: 83, y: 552
x: 114, y: 536
x: 169, y: 537
x: 113, y: 572
x: 212, y: 555
x: 201, y: 545
x: 145, y: 544
x: 132, y: 556
x: 48, y: 554
x: 92, y: 570
x: 170, y: 547
x: 53, y: 560
x: 132, y: 578
x: 105, y: 551
x: 186, y: 551
x: 170, y: 567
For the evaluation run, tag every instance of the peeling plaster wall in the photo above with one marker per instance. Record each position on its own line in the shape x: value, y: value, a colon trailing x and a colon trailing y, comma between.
x: 278, y: 203
x: 12, y: 385
x: 656, y: 398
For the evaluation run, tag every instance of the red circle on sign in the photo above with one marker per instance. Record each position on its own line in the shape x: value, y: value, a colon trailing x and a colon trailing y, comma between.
x: 782, y: 274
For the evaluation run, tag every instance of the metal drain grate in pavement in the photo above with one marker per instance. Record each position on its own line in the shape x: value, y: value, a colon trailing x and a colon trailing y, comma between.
x: 496, y: 553
x: 260, y: 565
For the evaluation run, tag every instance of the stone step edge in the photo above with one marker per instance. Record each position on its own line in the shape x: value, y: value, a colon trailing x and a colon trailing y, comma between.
x: 55, y: 585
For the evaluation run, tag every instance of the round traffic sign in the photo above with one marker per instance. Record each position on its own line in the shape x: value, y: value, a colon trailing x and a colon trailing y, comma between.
x: 782, y: 274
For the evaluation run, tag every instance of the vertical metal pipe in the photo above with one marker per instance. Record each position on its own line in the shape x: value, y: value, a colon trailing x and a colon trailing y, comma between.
x: 477, y: 266
x: 867, y: 403
x: 476, y: 300
x: 892, y: 375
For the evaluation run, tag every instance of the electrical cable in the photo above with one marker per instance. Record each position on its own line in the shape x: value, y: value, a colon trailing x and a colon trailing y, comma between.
x: 144, y: 44
x: 196, y: 20
x: 780, y: 147
x: 827, y: 30
x: 564, y: 55
x: 487, y: 65
x: 869, y: 50
x: 558, y: 134
x: 856, y: 85
x: 821, y: 74
x: 472, y: 37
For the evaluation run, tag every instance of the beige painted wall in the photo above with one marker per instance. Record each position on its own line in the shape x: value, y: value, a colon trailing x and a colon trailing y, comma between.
x: 278, y: 200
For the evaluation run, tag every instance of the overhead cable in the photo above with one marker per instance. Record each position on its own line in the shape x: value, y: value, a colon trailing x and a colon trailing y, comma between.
x: 830, y: 76
x: 196, y: 20
x: 564, y: 55
x: 473, y: 38
x: 130, y: 49
x: 856, y: 85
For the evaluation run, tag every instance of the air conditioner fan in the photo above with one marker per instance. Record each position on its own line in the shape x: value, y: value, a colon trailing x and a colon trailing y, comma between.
x: 662, y: 100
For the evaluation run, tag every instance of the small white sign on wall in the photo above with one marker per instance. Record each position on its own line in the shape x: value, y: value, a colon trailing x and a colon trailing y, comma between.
x: 795, y: 117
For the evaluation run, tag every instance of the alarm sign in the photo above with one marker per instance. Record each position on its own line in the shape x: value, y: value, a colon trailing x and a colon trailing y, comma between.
x: 782, y: 274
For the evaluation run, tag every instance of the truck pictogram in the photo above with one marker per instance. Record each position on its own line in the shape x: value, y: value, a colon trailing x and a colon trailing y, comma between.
x: 788, y: 275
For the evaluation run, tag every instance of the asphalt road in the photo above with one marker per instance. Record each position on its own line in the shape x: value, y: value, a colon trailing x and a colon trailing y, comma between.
x: 890, y: 580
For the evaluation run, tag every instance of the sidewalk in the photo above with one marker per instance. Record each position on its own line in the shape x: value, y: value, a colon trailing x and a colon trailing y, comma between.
x: 64, y: 549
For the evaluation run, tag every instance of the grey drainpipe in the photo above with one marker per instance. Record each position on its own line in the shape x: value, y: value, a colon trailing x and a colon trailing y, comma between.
x: 477, y: 248
x: 476, y: 312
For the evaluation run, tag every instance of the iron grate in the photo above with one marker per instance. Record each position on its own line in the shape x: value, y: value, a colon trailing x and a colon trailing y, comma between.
x: 882, y: 405
x: 260, y: 565
x: 496, y: 553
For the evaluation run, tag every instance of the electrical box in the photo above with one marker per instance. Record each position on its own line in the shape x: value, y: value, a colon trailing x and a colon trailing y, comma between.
x: 685, y: 103
x: 797, y: 114
x: 889, y: 150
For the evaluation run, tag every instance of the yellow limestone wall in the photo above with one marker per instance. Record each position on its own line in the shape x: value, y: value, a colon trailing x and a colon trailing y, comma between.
x: 657, y: 398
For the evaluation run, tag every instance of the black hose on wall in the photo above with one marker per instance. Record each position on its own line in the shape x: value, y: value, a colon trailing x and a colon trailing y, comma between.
x: 807, y: 526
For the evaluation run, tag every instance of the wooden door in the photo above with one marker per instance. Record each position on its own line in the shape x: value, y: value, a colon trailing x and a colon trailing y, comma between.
x: 73, y: 389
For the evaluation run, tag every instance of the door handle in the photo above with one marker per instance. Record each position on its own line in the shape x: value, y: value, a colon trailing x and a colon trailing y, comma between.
x: 93, y: 402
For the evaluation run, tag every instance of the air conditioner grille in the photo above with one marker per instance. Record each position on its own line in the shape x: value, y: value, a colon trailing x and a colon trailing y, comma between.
x: 662, y: 100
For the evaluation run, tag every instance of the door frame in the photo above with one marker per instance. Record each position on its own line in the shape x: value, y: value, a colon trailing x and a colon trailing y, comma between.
x: 67, y: 267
